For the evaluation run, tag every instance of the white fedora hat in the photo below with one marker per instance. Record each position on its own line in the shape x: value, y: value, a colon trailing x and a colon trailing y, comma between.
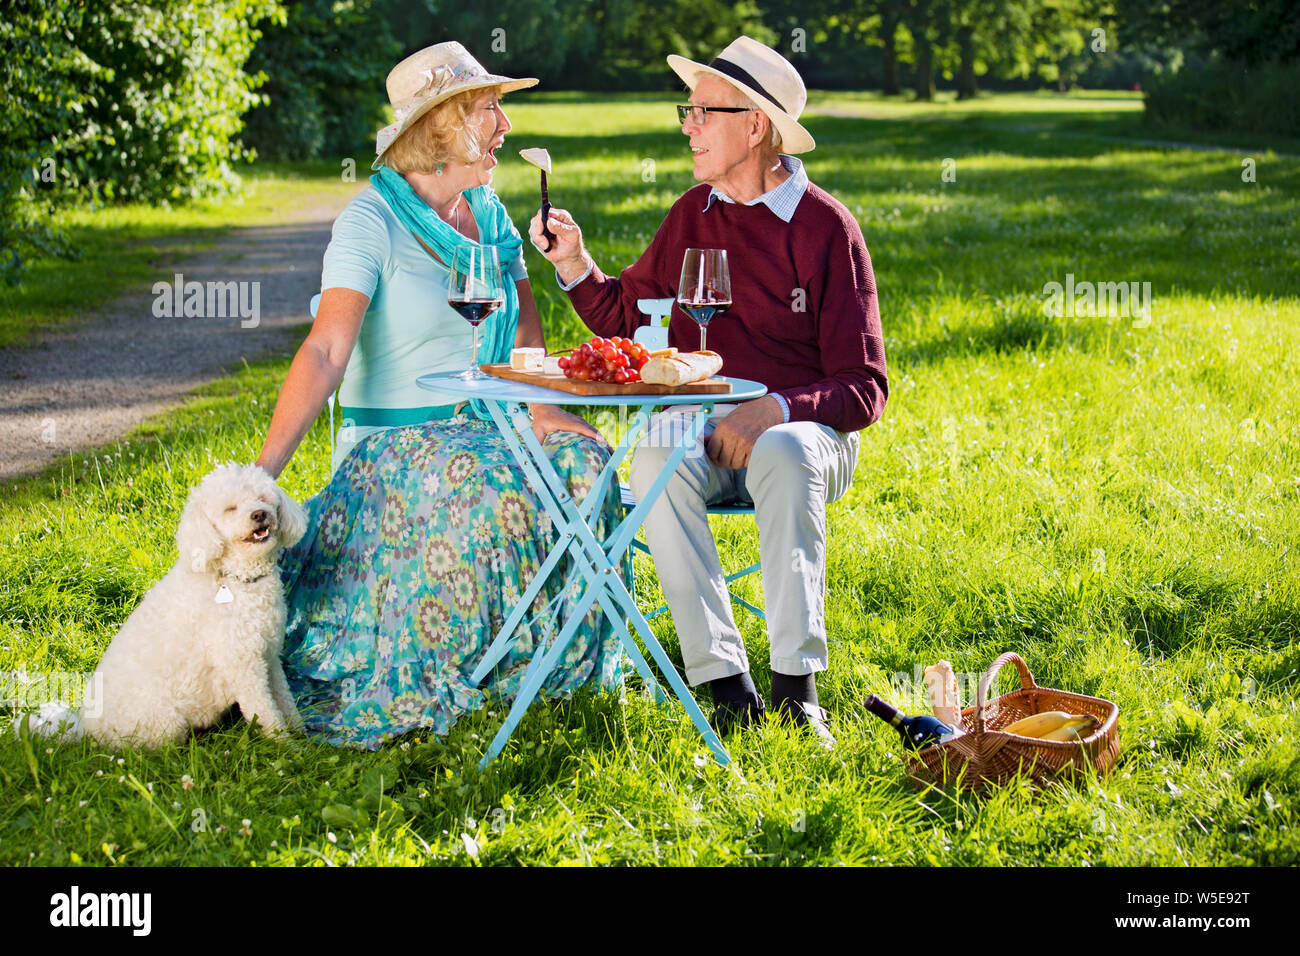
x: 763, y: 75
x: 425, y: 79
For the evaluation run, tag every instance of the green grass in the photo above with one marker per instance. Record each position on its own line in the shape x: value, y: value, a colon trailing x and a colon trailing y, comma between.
x: 1116, y: 114
x: 1118, y: 503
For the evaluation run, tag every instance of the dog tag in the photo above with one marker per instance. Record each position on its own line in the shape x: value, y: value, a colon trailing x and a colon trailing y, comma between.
x: 223, y: 595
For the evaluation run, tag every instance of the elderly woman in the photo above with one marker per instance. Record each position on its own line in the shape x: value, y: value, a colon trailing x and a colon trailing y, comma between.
x: 426, y: 535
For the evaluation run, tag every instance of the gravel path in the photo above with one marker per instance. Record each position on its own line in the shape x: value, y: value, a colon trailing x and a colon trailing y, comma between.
x: 89, y: 384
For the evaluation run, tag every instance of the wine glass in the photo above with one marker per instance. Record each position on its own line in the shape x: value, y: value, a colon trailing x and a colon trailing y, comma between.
x: 476, y: 291
x: 705, y: 289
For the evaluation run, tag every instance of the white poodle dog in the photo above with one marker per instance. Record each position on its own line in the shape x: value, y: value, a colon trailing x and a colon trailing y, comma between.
x: 208, y: 635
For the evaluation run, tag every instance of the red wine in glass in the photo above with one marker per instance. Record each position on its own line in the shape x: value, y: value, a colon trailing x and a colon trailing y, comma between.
x: 475, y: 311
x: 705, y: 288
x: 476, y: 291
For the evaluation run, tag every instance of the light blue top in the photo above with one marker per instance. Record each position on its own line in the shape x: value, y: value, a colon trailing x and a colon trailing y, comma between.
x: 408, y: 329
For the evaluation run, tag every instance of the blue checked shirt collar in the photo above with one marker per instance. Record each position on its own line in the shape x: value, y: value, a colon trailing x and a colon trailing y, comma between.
x: 783, y: 199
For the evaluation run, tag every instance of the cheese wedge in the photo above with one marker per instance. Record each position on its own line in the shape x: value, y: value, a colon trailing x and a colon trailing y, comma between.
x: 527, y: 360
x: 684, y: 368
x: 537, y: 157
x: 551, y: 365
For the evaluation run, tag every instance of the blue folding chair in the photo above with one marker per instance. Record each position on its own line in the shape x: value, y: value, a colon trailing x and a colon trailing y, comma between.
x: 655, y: 336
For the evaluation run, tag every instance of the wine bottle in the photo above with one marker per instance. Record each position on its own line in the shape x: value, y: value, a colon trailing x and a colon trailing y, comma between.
x: 917, y: 732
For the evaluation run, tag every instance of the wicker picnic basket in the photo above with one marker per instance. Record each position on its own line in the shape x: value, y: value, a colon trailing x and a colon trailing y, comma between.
x: 984, y: 755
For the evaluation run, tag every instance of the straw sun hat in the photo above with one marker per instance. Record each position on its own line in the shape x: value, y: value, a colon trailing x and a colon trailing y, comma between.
x: 763, y: 75
x: 427, y: 78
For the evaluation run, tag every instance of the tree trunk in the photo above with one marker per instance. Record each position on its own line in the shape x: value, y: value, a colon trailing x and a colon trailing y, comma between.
x: 888, y: 34
x: 919, y: 17
x: 924, y: 69
x: 966, y: 88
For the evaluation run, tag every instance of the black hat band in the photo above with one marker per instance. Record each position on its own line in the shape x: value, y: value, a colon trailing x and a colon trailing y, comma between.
x: 727, y: 68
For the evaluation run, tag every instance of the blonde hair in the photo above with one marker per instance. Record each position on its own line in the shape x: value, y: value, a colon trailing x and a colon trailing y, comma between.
x: 442, y: 135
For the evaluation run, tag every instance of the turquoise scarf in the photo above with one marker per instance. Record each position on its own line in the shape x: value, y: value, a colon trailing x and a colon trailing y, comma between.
x: 496, y: 336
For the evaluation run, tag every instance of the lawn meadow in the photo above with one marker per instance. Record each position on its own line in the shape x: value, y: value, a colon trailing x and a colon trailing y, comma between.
x: 1114, y: 497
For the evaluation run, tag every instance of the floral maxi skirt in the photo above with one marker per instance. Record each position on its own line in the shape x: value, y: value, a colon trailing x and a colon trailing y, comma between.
x: 415, y: 553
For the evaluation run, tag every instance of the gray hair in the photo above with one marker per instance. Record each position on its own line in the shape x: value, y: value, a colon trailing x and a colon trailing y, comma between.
x: 738, y: 98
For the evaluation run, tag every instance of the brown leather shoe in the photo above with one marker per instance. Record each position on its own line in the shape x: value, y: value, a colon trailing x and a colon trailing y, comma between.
x: 811, y: 717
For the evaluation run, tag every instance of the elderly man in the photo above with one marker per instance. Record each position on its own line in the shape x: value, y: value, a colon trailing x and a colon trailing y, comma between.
x: 804, y: 322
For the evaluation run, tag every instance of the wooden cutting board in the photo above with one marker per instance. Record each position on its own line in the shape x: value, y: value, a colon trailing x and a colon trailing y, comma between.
x: 716, y: 386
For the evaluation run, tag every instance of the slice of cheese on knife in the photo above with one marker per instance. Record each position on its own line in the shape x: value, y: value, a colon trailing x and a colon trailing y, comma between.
x: 537, y: 157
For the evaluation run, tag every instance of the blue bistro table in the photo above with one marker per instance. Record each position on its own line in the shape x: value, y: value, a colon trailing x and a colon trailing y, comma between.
x: 595, y: 562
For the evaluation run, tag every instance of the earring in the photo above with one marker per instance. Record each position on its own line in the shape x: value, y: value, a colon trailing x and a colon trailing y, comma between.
x: 438, y: 171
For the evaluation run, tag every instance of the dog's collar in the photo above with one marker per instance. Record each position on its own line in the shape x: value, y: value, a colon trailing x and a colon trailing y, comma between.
x: 236, y: 577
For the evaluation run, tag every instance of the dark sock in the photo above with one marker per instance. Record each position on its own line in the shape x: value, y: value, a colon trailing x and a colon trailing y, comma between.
x: 797, y: 689
x: 737, y: 691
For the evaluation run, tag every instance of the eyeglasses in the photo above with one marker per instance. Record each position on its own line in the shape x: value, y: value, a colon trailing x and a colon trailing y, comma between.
x: 699, y: 114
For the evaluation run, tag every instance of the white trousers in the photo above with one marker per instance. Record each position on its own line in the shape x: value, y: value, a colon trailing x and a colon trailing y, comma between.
x: 794, y: 471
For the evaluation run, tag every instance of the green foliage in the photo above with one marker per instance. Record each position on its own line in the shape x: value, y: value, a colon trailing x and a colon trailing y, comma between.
x: 637, y: 37
x: 123, y: 100
x: 1243, y: 62
x: 1221, y: 95
x: 324, y: 63
x: 44, y: 74
x: 1254, y: 33
x: 1122, y: 68
x: 515, y: 37
x: 164, y: 122
x: 580, y: 44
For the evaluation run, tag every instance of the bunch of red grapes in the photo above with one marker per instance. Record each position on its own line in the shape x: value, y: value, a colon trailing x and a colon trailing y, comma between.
x: 617, y: 361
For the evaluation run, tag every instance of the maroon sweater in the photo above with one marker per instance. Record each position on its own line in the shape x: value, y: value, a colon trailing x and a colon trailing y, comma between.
x: 827, y: 361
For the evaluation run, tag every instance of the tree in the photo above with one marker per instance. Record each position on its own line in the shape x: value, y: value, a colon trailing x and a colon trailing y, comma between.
x: 1252, y: 33
x: 117, y: 100
x: 992, y: 35
x: 929, y: 23
x: 891, y: 17
x: 325, y: 64
x: 43, y: 73
x: 1059, y: 27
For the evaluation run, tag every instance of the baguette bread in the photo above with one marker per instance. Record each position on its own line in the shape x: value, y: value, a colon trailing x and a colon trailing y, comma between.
x: 684, y: 368
x: 945, y: 696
